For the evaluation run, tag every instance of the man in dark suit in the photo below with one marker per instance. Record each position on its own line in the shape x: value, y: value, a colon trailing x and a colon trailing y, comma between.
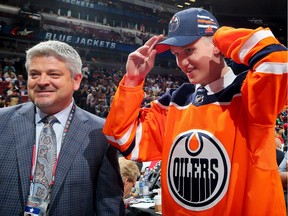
x: 85, y: 177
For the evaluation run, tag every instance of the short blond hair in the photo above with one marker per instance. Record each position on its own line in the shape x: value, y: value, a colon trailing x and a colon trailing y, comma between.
x: 128, y: 169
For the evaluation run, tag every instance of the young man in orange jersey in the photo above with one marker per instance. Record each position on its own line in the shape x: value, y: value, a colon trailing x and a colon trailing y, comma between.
x: 214, y: 135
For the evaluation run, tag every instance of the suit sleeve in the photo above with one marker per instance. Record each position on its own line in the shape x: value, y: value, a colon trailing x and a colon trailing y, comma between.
x: 109, y: 190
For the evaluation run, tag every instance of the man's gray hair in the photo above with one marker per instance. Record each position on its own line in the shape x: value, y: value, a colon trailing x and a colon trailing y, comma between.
x: 60, y: 50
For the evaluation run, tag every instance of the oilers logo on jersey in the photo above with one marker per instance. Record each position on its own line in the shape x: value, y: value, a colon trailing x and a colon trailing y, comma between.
x: 198, y: 170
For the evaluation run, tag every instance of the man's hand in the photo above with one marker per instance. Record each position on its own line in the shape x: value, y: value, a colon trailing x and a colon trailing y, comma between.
x: 141, y: 61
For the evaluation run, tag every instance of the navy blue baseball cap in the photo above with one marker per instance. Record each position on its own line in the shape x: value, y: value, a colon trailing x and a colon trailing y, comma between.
x: 187, y: 26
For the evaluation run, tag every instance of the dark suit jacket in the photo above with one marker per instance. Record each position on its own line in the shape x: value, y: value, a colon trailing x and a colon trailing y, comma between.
x: 87, y: 180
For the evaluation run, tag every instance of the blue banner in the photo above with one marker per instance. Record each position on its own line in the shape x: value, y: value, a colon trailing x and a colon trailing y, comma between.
x: 33, y: 33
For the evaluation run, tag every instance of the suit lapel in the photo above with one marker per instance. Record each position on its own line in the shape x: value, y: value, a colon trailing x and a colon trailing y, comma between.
x: 24, y: 133
x: 70, y: 147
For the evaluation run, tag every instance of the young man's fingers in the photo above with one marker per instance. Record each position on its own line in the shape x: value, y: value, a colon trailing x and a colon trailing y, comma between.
x: 157, y: 40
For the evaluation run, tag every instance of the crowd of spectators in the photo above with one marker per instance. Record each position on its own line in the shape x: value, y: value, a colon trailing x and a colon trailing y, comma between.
x: 13, y: 86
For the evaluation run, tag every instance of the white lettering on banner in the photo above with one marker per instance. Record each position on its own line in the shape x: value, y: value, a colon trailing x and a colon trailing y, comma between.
x: 80, y: 40
x: 79, y: 3
x: 63, y: 38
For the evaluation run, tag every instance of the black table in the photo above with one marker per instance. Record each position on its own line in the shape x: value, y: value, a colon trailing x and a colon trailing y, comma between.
x: 133, y: 211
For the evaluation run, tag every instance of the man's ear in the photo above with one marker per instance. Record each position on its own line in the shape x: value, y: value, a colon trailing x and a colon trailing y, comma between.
x: 77, y: 81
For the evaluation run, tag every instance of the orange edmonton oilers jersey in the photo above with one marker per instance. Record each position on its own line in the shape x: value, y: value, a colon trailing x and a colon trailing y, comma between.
x: 216, y: 144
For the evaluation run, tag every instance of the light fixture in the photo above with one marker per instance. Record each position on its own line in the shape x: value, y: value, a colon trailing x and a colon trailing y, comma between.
x: 192, y: 0
x: 180, y: 6
x: 187, y: 3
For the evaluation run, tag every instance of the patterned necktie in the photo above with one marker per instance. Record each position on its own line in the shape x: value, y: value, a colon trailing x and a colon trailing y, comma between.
x: 46, y: 159
x: 201, y: 95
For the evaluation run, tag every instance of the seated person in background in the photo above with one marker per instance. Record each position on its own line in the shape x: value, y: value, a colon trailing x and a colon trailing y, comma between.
x: 129, y: 172
x: 10, y: 76
x: 20, y: 81
x: 14, y: 98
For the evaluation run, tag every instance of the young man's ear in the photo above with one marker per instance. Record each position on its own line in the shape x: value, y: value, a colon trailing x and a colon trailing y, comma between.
x: 216, y: 51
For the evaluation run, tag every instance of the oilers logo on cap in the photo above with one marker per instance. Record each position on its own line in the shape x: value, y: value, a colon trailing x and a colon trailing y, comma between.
x: 174, y: 23
x: 186, y: 27
x: 198, y: 170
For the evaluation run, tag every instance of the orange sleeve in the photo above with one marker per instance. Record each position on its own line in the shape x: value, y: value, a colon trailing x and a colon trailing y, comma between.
x: 137, y: 132
x: 267, y: 77
x: 229, y: 40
